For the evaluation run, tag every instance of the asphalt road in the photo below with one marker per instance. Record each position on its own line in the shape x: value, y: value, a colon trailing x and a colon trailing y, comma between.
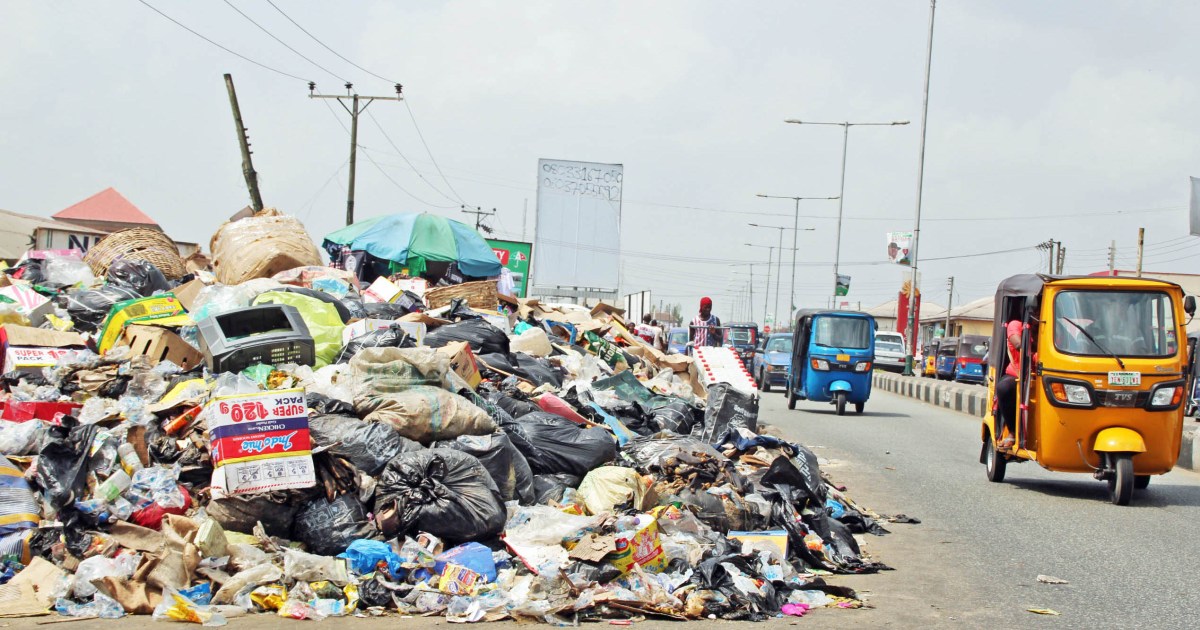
x: 974, y: 560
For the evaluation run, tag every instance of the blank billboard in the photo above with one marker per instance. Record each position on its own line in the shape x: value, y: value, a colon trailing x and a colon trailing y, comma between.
x: 578, y: 235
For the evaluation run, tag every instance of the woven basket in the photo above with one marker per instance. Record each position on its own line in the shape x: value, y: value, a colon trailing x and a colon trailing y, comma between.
x: 479, y: 294
x: 136, y: 244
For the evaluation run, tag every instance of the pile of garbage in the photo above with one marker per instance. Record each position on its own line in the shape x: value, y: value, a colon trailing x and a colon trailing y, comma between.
x: 300, y: 445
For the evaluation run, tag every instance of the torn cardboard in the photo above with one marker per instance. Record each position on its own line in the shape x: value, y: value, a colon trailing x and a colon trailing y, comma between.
x: 159, y: 344
x: 462, y: 361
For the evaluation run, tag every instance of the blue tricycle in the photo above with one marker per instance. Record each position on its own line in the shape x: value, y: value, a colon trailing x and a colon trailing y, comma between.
x: 832, y: 353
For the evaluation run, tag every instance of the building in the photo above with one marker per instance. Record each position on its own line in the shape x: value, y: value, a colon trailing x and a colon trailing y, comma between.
x: 81, y: 225
x: 23, y: 232
x: 885, y: 314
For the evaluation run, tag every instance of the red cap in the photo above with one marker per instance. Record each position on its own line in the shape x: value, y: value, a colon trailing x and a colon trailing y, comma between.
x: 704, y: 301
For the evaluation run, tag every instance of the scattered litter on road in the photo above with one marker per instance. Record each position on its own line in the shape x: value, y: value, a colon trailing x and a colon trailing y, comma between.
x: 1046, y: 579
x: 271, y: 437
x: 1043, y: 611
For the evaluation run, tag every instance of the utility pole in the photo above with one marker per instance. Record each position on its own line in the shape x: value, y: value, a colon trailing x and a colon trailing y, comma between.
x: 354, y: 110
x: 525, y: 219
x: 1112, y: 258
x: 1141, y: 242
x: 1062, y: 258
x: 751, y: 285
x: 949, y: 301
x: 247, y: 166
x: 480, y: 213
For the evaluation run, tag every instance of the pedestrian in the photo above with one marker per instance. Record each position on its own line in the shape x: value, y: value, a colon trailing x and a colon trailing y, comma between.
x: 649, y: 331
x: 705, y: 326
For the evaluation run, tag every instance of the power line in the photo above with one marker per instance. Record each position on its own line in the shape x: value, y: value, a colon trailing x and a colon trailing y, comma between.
x: 236, y: 54
x: 314, y: 38
x: 283, y: 43
x: 371, y: 115
x: 397, y: 184
x: 430, y: 153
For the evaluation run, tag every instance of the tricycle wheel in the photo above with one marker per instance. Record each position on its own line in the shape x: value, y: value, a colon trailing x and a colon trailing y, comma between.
x: 766, y: 382
x: 858, y: 407
x: 1141, y: 482
x: 791, y: 396
x: 1120, y: 484
x: 841, y: 403
x: 996, y: 464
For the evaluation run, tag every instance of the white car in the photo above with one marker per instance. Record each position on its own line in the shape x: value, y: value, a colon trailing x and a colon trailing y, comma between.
x: 889, y: 351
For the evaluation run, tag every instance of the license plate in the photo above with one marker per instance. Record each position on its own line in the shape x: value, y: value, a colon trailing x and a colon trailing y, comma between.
x: 843, y: 357
x: 1125, y: 378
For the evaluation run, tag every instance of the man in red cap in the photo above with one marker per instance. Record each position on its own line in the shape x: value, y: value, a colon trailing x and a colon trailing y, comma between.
x: 705, y: 326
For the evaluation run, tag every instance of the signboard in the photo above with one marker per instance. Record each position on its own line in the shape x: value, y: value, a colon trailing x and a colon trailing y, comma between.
x: 260, y: 442
x: 515, y: 257
x: 578, y: 235
x: 843, y: 285
x: 899, y: 244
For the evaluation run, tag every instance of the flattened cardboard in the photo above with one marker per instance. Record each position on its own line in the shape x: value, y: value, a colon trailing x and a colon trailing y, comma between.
x: 186, y: 293
x: 159, y: 344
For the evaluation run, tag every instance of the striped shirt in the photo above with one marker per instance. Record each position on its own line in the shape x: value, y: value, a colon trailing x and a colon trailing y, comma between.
x: 702, y: 334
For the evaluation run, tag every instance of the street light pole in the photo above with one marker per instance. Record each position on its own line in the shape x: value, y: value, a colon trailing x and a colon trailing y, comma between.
x: 845, y: 144
x: 795, y: 232
x: 767, y: 287
x: 912, y: 285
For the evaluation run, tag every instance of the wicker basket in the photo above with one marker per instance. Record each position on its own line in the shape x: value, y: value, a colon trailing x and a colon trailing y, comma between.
x: 479, y: 294
x: 136, y: 244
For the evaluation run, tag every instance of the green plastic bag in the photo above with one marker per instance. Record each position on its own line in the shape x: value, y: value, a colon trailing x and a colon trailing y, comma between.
x: 322, y: 319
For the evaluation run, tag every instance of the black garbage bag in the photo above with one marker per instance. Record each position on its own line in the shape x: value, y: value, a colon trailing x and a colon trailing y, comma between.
x: 88, y: 309
x: 503, y: 461
x: 323, y: 405
x: 391, y: 337
x: 239, y: 513
x: 727, y: 408
x: 139, y: 275
x: 328, y: 527
x: 537, y: 371
x: 382, y: 592
x: 502, y: 418
x: 63, y: 462
x: 459, y: 311
x: 514, y: 406
x: 483, y: 337
x: 798, y: 479
x: 29, y: 270
x: 367, y: 445
x: 561, y: 446
x: 676, y: 416
x: 444, y: 492
x: 717, y: 574
x: 551, y: 487
x: 355, y: 306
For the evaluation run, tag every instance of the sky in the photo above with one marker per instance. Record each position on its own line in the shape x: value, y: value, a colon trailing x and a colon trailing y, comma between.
x: 1072, y: 121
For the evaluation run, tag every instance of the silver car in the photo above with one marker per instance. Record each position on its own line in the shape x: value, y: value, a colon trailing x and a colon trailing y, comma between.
x: 889, y: 353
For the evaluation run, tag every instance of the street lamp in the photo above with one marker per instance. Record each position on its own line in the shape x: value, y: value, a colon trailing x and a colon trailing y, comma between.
x: 842, y: 191
x: 796, y: 227
x: 767, y: 287
x: 795, y: 230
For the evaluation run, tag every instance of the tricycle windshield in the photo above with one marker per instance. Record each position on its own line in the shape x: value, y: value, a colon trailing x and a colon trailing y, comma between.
x: 1124, y: 323
x: 842, y: 332
x: 741, y: 336
x: 973, y: 349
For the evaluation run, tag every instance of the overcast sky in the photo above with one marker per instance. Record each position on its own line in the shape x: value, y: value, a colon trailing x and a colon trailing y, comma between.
x: 1066, y: 120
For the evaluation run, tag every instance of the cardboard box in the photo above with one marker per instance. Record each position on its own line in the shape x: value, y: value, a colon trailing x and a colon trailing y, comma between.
x: 773, y: 539
x: 35, y: 348
x: 159, y: 344
x: 416, y: 330
x: 643, y: 547
x: 382, y: 290
x: 186, y: 293
x: 462, y: 361
x: 163, y: 309
x: 260, y: 442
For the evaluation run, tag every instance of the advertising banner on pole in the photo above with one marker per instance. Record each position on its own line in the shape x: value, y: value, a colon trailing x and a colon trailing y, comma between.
x: 843, y: 285
x: 514, y: 256
x: 898, y: 246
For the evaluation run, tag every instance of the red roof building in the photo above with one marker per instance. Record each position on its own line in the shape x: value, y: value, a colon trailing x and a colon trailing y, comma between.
x: 106, y: 210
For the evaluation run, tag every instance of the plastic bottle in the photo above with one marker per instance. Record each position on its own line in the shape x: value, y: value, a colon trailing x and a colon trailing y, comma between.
x: 129, y: 458
x: 113, y: 487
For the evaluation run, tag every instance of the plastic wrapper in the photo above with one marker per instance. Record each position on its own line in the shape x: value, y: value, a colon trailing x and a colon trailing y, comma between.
x: 98, y: 567
x: 561, y: 446
x: 391, y: 337
x: 609, y: 487
x: 367, y: 445
x: 246, y: 580
x: 532, y: 341
x: 139, y: 276
x: 21, y: 438
x: 216, y: 299
x: 261, y: 246
x: 483, y: 337
x: 176, y: 607
x: 306, y: 567
x: 328, y: 527
x: 441, y: 491
x: 67, y: 271
x: 503, y: 461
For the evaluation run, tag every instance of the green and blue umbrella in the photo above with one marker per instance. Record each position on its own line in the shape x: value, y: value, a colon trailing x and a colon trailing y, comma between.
x: 412, y: 240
